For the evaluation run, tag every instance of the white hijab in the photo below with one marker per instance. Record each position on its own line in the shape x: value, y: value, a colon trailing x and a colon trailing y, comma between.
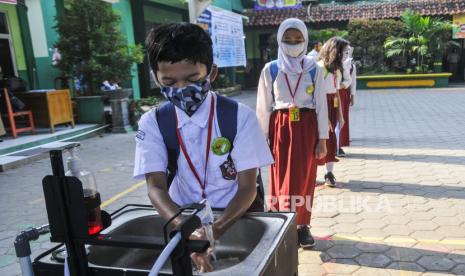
x: 292, y: 65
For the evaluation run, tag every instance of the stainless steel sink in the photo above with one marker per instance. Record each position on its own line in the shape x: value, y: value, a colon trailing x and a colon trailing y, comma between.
x: 257, y: 244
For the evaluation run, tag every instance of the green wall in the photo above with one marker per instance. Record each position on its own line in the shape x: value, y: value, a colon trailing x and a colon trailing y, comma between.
x: 231, y: 5
x: 160, y: 15
x: 123, y: 8
x: 15, y: 30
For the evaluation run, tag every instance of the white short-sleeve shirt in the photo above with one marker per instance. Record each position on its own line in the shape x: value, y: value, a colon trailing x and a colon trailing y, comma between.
x: 250, y: 151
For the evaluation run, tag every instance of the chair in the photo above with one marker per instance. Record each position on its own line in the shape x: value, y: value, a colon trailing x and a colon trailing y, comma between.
x: 11, y: 115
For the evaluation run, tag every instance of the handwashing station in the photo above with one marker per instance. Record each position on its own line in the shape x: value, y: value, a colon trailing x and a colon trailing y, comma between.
x: 135, y: 240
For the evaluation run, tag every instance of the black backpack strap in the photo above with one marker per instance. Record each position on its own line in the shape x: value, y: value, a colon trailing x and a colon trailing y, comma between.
x: 166, y: 119
x: 226, y: 114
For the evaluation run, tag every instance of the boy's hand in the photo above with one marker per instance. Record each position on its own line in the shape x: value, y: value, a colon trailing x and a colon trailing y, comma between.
x: 352, y: 100
x: 320, y: 150
x: 201, y: 260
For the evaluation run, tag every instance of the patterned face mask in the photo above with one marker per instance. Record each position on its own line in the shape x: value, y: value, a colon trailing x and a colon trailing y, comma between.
x: 188, y: 98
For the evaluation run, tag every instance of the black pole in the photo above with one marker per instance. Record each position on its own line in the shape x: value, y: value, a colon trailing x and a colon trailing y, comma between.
x: 56, y: 157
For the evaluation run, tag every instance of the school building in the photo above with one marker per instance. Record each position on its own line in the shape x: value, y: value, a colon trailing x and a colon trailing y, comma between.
x: 27, y: 35
x: 321, y: 14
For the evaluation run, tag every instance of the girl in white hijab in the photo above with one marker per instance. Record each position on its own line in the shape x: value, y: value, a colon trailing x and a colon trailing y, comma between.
x: 293, y: 114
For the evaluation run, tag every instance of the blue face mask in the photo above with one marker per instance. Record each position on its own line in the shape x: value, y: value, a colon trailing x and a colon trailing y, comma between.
x: 188, y: 98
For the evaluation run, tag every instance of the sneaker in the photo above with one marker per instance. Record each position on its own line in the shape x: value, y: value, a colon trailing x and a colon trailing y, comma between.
x: 330, y: 180
x: 341, y: 153
x: 305, y: 237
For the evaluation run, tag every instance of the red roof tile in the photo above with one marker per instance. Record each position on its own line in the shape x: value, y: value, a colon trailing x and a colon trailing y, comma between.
x: 360, y: 10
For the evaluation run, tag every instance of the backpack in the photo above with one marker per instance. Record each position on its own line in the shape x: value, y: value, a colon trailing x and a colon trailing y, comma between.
x: 226, y: 112
x: 274, y: 73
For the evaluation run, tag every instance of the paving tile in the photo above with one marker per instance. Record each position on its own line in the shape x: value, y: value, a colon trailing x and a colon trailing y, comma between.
x: 309, y: 257
x: 457, y: 256
x: 372, y: 247
x: 422, y: 225
x: 398, y: 230
x: 436, y: 263
x: 451, y: 231
x: 373, y: 260
x: 340, y: 266
x: 459, y: 269
x: 343, y: 251
x: 403, y: 267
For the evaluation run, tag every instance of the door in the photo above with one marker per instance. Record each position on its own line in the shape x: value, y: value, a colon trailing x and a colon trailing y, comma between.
x: 7, y: 63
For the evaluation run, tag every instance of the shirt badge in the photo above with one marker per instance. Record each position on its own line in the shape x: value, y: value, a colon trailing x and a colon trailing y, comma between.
x: 140, y: 135
x: 310, y: 89
x: 221, y: 146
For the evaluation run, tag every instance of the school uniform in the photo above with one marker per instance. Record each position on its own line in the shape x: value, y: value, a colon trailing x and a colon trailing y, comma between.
x: 344, y: 136
x: 292, y: 142
x: 330, y: 84
x: 250, y: 150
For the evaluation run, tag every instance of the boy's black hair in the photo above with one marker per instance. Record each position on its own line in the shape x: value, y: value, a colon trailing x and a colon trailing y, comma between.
x: 315, y: 43
x: 175, y: 42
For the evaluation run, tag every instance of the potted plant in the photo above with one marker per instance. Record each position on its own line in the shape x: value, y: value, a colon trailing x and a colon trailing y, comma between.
x: 93, y: 50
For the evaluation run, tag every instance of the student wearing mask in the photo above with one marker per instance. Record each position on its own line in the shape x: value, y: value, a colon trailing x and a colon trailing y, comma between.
x: 331, y: 59
x: 292, y: 111
x: 206, y: 165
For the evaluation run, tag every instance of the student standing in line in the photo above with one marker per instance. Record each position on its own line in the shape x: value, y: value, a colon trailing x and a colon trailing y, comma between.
x: 292, y: 112
x: 315, y: 52
x: 345, y: 92
x: 331, y: 59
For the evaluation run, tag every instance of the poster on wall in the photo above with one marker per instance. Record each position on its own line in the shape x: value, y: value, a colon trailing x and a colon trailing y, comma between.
x: 8, y: 1
x: 227, y: 33
x: 459, y: 21
x: 277, y: 4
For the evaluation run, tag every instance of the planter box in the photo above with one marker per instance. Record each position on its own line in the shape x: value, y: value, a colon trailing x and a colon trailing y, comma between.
x: 90, y: 110
x: 403, y: 81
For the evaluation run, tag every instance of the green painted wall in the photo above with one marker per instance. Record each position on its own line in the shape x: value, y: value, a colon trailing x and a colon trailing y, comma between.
x: 45, y: 71
x: 232, y: 5
x: 123, y: 8
x: 157, y: 15
x: 15, y: 30
x: 181, y: 4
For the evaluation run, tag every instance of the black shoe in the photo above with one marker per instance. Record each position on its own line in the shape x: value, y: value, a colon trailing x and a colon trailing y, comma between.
x: 341, y: 153
x: 305, y: 237
x: 330, y: 180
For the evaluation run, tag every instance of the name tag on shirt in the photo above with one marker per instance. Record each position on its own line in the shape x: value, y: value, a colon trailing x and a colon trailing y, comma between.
x: 336, y: 102
x: 294, y: 114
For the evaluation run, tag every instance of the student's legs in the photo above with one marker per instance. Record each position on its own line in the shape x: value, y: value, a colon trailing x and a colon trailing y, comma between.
x: 330, y: 166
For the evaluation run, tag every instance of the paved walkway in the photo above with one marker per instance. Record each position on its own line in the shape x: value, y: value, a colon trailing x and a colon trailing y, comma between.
x: 400, y: 209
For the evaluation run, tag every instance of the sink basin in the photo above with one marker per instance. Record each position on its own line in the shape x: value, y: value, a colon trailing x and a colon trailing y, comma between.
x: 257, y: 244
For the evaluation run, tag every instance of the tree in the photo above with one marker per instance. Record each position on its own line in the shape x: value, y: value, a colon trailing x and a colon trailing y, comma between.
x: 427, y: 38
x: 91, y: 46
x: 367, y: 38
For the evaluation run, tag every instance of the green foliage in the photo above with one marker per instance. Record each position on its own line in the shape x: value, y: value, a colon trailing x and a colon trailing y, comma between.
x: 426, y: 40
x: 222, y: 81
x: 367, y: 38
x: 91, y: 45
x: 325, y: 34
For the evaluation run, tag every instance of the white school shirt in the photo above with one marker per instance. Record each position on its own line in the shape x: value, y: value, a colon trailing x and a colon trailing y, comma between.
x: 250, y: 151
x: 353, y: 86
x: 347, y: 80
x: 328, y: 85
x: 313, y: 54
x: 283, y: 98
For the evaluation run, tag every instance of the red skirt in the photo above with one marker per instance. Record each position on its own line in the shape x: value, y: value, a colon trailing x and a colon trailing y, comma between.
x: 331, y: 143
x: 293, y: 175
x: 344, y: 134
